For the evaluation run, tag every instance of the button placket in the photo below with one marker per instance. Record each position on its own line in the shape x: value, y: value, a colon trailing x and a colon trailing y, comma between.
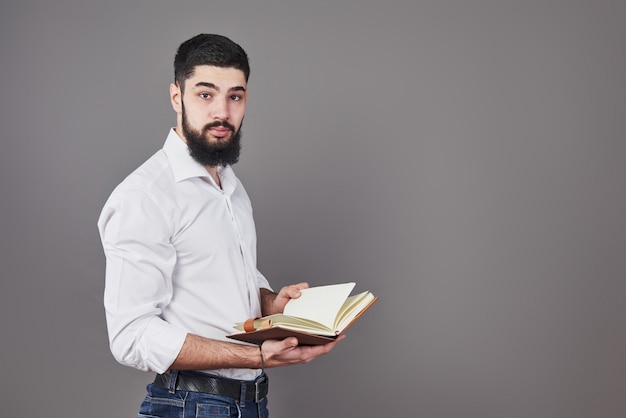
x: 242, y: 251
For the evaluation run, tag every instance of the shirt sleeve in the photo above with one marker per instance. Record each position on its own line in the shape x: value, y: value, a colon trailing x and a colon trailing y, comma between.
x: 262, y: 281
x: 140, y: 260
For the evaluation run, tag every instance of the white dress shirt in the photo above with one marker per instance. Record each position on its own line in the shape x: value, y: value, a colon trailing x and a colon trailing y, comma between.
x: 180, y: 258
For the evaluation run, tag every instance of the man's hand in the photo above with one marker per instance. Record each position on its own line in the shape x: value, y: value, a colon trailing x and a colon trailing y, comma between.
x: 285, y: 352
x: 272, y: 303
x: 199, y: 353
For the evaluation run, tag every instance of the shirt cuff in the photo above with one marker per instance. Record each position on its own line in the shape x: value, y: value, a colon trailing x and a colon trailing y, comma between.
x: 162, y: 346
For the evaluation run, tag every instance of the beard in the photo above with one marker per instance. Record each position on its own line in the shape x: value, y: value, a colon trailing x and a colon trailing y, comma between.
x: 223, y: 152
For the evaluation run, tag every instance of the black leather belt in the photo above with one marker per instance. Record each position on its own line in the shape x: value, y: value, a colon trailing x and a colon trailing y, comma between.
x: 240, y: 390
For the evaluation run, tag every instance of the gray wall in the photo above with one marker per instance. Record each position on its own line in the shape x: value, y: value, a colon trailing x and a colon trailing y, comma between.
x: 464, y: 160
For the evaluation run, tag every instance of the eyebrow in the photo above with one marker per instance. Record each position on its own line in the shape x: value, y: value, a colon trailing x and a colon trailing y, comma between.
x: 213, y: 86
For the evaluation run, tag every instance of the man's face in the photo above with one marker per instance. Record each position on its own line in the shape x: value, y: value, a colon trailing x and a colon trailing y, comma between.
x: 211, y: 110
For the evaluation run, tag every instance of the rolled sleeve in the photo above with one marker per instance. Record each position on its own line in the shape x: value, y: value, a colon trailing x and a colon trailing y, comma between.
x: 263, y: 283
x: 140, y: 260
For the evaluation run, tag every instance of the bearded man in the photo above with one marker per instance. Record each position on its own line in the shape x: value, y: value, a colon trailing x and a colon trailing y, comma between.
x: 180, y: 245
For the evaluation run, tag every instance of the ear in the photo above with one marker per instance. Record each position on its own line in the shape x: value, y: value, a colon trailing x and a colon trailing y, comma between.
x: 176, y: 97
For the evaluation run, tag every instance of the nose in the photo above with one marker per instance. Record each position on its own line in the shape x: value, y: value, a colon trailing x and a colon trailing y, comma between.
x: 219, y: 110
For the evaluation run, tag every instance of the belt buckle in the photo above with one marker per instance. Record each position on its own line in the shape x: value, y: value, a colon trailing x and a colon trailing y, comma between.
x: 261, y: 385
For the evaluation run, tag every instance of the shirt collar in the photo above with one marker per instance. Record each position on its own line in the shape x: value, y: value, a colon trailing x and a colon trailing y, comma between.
x: 185, y: 167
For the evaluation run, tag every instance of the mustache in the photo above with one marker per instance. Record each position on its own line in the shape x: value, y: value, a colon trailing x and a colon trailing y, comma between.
x: 215, y: 124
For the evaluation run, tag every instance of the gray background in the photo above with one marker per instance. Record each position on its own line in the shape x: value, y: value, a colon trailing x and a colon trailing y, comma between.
x: 463, y: 160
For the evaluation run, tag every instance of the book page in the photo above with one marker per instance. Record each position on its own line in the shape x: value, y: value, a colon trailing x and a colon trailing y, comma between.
x: 320, y: 304
x: 290, y: 322
x: 352, y: 308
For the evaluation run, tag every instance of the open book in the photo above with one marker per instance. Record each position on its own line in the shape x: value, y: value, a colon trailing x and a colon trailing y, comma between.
x: 318, y: 316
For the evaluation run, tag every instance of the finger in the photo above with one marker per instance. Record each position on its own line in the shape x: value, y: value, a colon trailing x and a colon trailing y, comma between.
x: 294, y: 291
x: 330, y: 346
x: 289, y: 292
x: 337, y: 341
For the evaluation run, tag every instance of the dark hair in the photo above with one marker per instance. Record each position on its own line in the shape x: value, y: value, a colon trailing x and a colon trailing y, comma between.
x: 208, y: 49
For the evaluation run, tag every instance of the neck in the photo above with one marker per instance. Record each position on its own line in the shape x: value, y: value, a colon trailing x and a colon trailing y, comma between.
x: 213, y: 172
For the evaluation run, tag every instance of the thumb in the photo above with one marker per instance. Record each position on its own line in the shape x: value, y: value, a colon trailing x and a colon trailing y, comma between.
x: 290, y: 342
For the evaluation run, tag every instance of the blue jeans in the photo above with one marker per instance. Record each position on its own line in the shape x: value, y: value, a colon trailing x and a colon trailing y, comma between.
x: 160, y: 403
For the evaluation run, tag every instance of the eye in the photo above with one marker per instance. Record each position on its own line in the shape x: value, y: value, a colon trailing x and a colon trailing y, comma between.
x: 236, y: 97
x: 205, y: 95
